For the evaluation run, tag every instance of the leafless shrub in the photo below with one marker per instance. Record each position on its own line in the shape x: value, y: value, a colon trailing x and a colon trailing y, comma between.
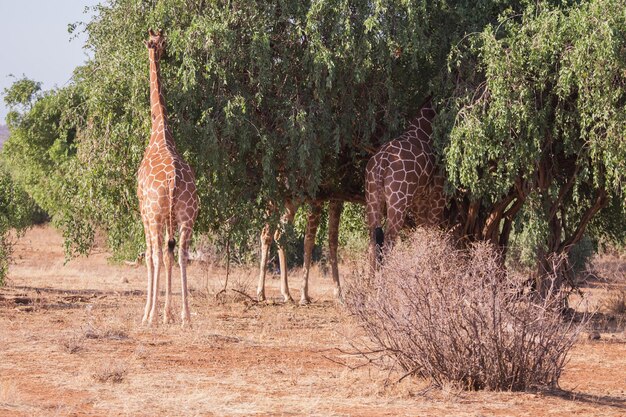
x: 615, y: 302
x: 72, y: 343
x: 459, y: 318
x: 105, y: 331
x: 106, y: 334
x: 110, y: 372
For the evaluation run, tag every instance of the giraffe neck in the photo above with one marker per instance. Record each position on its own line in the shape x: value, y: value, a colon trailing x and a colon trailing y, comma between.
x: 157, y: 105
x: 423, y: 119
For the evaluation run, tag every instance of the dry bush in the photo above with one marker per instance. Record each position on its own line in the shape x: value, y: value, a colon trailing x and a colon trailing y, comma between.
x: 458, y: 318
x: 107, y: 331
x: 73, y: 343
x: 615, y: 302
x: 110, y: 372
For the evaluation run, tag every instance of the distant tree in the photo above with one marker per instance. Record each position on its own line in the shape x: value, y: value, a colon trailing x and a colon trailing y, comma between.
x: 537, y: 128
x: 17, y: 212
x: 41, y: 156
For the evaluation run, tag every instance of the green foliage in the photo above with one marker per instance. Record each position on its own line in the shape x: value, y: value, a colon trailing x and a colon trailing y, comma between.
x: 17, y: 211
x: 267, y: 100
x: 22, y: 93
x: 539, y: 119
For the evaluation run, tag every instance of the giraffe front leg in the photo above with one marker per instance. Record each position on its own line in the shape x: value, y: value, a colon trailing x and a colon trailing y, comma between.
x: 266, y: 242
x: 168, y: 317
x: 282, y: 260
x: 157, y: 250
x: 150, y: 268
x: 313, y: 222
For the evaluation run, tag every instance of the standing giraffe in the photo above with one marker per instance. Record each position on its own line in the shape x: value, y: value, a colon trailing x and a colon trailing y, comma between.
x: 166, y: 188
x: 402, y: 177
x: 313, y: 221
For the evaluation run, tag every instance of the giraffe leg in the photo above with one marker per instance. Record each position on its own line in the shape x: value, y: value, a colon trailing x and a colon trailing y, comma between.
x: 282, y: 259
x: 334, y: 214
x: 312, y: 223
x: 375, y: 204
x: 395, y: 221
x: 266, y: 242
x: 183, y: 255
x: 169, y: 260
x: 438, y: 202
x: 376, y: 237
x: 150, y: 268
x: 157, y: 254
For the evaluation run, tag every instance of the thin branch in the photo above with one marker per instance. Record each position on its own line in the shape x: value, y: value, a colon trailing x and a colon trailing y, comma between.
x: 600, y: 202
x: 245, y: 295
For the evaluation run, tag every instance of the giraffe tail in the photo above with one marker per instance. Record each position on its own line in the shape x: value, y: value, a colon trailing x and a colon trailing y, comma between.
x: 171, y: 243
x: 379, y: 237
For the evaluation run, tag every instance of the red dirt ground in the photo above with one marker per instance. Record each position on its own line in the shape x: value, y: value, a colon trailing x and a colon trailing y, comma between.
x: 71, y: 344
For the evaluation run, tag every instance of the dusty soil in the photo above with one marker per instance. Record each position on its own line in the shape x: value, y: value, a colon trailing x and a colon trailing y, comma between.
x: 71, y: 343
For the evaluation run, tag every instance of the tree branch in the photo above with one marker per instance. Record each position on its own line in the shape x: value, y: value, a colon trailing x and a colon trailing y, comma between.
x: 599, y: 203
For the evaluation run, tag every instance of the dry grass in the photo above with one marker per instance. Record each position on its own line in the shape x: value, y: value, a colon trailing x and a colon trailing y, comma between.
x: 239, y: 359
x: 615, y: 302
x: 113, y: 372
x: 72, y: 343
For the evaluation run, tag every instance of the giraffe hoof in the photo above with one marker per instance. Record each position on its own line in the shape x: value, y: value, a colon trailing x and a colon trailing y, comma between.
x: 260, y: 297
x: 288, y: 300
x: 305, y: 301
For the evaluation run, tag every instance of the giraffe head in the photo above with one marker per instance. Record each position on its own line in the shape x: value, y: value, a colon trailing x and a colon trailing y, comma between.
x: 156, y: 43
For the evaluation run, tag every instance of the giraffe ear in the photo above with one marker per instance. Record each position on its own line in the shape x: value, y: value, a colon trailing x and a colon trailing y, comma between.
x: 151, y: 32
x: 159, y: 32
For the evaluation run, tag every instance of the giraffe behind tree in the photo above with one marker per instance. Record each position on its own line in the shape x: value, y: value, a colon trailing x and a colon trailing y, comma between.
x: 167, y: 197
x: 335, y: 208
x: 402, y: 177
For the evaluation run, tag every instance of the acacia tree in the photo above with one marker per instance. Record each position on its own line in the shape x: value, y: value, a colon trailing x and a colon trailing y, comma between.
x: 539, y: 126
x: 267, y: 100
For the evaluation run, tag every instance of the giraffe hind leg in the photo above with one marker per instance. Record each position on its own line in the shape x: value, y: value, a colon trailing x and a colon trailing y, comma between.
x: 334, y: 215
x: 169, y: 261
x: 282, y: 260
x: 183, y: 256
x: 379, y: 238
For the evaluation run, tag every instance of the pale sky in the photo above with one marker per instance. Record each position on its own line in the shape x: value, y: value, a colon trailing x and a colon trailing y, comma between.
x: 35, y: 42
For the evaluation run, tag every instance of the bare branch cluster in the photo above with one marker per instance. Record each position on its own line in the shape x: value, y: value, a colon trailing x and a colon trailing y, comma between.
x: 459, y: 317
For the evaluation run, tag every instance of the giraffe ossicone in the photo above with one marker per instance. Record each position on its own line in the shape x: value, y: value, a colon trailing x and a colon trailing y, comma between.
x: 402, y: 178
x: 168, y: 201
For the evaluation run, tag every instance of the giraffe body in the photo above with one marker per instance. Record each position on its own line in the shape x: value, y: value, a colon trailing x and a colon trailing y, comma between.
x: 402, y: 178
x: 167, y: 198
x: 313, y: 220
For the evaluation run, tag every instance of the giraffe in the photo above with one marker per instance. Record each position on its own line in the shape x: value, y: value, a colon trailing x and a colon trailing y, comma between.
x: 167, y: 197
x: 313, y: 220
x: 402, y: 177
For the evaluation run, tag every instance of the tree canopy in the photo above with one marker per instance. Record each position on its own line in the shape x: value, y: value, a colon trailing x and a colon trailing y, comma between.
x: 538, y: 137
x: 284, y: 99
x: 267, y: 100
